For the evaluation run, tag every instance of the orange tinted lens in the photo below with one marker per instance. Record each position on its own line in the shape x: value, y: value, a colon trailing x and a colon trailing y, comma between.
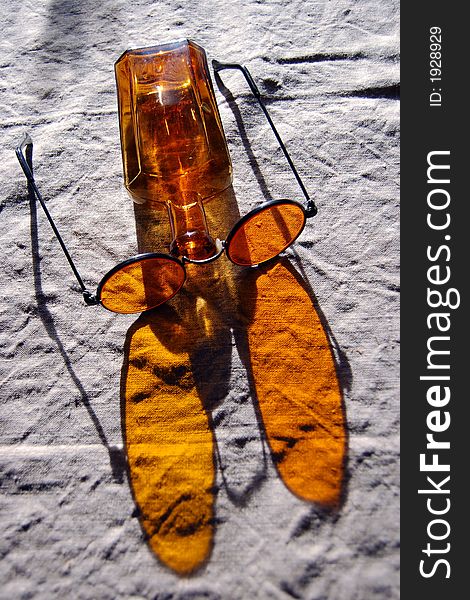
x: 266, y: 234
x: 142, y: 284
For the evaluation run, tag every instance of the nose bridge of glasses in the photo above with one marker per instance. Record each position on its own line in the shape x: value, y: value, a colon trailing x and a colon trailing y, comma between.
x: 219, y: 250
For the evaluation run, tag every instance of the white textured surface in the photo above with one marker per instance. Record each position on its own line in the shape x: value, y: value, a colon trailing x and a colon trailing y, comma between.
x: 68, y: 524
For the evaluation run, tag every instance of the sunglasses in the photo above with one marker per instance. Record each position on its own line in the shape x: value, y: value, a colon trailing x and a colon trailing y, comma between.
x: 148, y: 280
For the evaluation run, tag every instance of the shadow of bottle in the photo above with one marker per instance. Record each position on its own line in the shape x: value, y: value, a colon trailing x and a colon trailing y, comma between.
x: 176, y: 373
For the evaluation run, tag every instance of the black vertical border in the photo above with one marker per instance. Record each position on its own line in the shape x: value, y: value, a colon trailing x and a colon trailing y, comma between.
x: 425, y: 129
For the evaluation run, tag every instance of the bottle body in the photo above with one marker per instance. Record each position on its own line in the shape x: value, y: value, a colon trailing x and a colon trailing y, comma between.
x: 173, y: 146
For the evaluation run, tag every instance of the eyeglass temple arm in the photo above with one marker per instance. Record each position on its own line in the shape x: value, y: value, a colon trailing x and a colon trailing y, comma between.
x: 25, y: 158
x: 311, y: 209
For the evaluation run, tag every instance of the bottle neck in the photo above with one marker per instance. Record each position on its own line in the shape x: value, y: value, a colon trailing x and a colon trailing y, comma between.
x: 190, y: 233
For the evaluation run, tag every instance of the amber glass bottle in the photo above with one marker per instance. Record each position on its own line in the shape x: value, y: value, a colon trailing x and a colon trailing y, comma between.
x: 173, y: 145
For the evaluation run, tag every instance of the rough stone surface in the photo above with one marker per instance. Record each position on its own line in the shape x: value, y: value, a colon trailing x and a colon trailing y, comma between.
x: 330, y: 73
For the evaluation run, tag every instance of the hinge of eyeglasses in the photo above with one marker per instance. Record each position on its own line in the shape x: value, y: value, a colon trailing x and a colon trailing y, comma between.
x: 311, y: 209
x: 90, y: 299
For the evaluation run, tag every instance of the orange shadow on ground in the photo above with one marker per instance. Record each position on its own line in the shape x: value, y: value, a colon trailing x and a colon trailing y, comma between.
x: 297, y: 386
x: 177, y: 369
x: 169, y: 443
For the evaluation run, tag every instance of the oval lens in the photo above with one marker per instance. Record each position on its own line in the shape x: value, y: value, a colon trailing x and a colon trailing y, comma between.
x: 265, y: 232
x: 141, y: 283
